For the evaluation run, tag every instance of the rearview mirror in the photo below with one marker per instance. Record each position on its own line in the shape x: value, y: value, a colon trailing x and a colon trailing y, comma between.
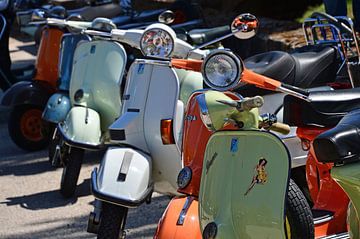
x: 167, y: 17
x: 245, y: 26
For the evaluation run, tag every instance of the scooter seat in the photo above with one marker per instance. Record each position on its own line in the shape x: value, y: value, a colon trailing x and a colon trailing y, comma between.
x: 107, y: 10
x: 309, y: 66
x: 326, y: 108
x: 340, y: 144
x: 69, y: 4
x: 201, y: 36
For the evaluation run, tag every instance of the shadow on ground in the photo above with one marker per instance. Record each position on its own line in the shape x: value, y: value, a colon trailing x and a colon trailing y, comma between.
x: 139, y: 224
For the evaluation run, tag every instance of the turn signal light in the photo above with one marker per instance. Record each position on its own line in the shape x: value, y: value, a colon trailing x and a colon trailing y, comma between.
x: 167, y: 135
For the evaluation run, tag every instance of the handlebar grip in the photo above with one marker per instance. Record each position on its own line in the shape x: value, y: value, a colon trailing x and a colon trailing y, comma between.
x: 280, y: 128
x: 250, y: 103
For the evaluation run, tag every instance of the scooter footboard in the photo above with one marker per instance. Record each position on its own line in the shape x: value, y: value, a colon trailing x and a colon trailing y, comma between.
x: 124, y: 177
x: 244, y: 185
x: 82, y: 128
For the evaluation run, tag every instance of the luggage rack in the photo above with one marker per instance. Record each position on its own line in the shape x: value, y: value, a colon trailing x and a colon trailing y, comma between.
x: 323, y: 29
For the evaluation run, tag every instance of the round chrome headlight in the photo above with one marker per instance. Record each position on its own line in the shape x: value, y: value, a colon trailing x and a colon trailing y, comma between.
x: 222, y: 70
x: 157, y: 41
x: 184, y: 177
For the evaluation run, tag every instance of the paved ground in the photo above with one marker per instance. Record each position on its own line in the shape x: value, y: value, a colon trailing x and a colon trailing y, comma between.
x: 30, y: 203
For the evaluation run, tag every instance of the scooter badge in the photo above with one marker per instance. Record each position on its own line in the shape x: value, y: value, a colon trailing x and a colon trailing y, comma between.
x: 260, y: 175
x: 234, y: 145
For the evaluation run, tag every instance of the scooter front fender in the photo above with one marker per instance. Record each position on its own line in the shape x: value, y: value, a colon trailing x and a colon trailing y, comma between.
x: 81, y: 128
x: 124, y: 177
x: 27, y: 92
x: 180, y: 220
x: 57, y: 108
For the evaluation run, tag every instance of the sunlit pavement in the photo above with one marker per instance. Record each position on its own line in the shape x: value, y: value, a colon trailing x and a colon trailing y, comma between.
x: 30, y: 203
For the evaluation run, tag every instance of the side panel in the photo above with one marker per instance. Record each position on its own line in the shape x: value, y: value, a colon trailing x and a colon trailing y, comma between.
x: 98, y: 69
x: 130, y: 123
x: 161, y: 103
x: 347, y: 177
x: 244, y: 184
x: 47, y: 60
x: 124, y: 173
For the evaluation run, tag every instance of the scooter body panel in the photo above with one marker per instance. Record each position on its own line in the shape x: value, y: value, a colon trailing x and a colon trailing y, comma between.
x: 81, y: 128
x: 57, y: 108
x: 347, y: 176
x: 69, y: 43
x: 325, y: 192
x: 151, y: 95
x: 243, y: 194
x: 98, y: 69
x: 46, y: 69
x: 177, y: 209
x: 124, y: 174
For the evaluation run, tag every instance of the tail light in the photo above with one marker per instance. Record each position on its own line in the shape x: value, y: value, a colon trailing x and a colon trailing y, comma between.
x: 167, y: 134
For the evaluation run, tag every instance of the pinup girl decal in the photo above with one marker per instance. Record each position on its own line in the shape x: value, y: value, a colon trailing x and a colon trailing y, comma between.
x: 260, y: 176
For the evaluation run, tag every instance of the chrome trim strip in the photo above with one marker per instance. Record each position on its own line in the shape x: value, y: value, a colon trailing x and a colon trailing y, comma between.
x: 344, y: 235
x: 184, y: 210
x: 153, y: 62
x: 322, y: 220
x: 204, y: 112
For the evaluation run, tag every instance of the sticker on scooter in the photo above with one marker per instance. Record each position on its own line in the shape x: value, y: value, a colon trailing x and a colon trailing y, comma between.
x: 234, y: 145
x: 260, y: 175
x: 141, y: 69
x: 190, y: 118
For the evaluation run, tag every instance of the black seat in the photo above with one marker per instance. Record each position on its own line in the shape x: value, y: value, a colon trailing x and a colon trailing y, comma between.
x: 307, y: 67
x: 107, y: 10
x: 200, y: 36
x: 340, y: 144
x: 326, y: 108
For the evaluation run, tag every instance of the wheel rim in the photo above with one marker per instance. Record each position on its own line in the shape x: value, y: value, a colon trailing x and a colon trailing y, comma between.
x: 30, y: 125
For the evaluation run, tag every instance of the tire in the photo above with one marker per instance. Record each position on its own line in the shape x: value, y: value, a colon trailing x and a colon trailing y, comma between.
x: 112, y: 222
x: 299, y: 221
x: 26, y: 127
x: 71, y: 172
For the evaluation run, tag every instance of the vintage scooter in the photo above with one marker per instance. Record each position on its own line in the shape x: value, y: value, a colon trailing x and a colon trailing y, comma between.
x: 340, y: 147
x: 28, y: 98
x: 254, y: 206
x: 148, y: 167
x: 329, y: 201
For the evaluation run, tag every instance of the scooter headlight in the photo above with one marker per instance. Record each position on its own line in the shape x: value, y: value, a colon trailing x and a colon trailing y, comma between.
x: 222, y: 70
x: 184, y: 177
x: 157, y: 41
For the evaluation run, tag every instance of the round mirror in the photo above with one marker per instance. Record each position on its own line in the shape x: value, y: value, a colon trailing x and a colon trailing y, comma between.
x: 167, y: 17
x: 245, y: 26
x: 74, y: 17
x: 37, y: 15
x: 58, y: 12
x: 103, y: 24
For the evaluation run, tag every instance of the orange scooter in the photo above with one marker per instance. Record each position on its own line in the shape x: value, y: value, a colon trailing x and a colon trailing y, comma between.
x: 28, y: 98
x: 181, y: 218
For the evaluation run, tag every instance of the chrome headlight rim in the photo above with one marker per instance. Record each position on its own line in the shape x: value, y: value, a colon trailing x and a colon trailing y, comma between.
x: 238, y: 64
x: 158, y: 28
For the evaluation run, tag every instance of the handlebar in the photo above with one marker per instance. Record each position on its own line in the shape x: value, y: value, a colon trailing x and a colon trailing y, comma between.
x: 280, y: 128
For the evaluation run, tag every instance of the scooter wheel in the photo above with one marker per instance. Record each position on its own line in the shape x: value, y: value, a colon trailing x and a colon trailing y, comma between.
x: 71, y: 171
x: 112, y: 221
x: 299, y: 221
x: 26, y: 127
